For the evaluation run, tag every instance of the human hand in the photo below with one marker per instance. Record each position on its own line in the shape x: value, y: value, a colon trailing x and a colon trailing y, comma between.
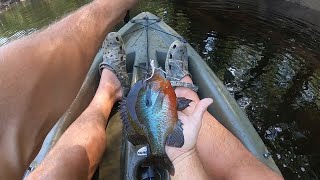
x: 191, y: 128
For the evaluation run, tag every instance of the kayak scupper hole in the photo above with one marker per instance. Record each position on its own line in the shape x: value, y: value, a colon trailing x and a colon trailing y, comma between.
x: 174, y: 46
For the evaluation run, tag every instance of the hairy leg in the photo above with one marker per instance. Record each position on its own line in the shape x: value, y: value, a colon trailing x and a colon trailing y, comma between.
x: 221, y: 153
x: 78, y: 152
x: 41, y: 74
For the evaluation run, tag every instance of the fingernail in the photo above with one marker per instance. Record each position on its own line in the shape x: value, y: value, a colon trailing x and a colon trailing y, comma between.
x: 210, y: 100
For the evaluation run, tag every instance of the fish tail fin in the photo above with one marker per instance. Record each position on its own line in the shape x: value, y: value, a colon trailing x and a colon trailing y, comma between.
x: 163, y: 162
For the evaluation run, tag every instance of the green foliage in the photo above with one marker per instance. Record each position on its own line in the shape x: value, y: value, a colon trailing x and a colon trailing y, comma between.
x: 30, y: 16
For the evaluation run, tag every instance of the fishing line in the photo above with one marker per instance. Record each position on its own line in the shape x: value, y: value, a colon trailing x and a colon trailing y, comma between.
x: 154, y: 68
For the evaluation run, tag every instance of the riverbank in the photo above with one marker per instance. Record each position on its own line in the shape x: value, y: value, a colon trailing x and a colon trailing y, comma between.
x: 6, y: 4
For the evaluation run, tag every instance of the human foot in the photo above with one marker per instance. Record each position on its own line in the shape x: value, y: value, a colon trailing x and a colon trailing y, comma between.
x: 109, y: 89
x: 114, y: 59
x: 176, y: 65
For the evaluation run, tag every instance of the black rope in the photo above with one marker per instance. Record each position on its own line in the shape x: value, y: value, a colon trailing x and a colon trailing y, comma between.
x: 143, y: 19
x: 149, y: 26
x: 134, y: 31
x: 181, y: 39
x: 140, y: 28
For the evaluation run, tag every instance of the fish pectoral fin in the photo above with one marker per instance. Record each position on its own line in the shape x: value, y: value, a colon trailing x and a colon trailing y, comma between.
x: 136, y: 139
x: 183, y: 103
x: 176, y: 138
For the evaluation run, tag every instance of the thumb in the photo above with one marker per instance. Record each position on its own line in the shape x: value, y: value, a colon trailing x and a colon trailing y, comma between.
x: 201, y: 107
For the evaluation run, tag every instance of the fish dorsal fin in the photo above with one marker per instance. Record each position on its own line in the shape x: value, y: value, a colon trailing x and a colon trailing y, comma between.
x: 176, y: 138
x: 124, y: 115
x: 130, y: 133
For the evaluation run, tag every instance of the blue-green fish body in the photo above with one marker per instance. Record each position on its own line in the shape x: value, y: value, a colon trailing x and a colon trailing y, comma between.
x: 150, y: 112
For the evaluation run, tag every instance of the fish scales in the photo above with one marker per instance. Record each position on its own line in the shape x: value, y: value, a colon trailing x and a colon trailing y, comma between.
x: 149, y: 115
x: 160, y: 118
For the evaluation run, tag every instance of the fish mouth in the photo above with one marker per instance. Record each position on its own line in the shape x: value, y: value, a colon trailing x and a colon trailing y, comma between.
x: 160, y: 72
x: 157, y: 81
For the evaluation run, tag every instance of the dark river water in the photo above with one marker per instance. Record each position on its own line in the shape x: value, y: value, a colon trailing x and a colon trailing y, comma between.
x: 266, y: 53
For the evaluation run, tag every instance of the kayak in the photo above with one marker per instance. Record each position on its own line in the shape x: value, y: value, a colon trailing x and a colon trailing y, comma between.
x: 147, y: 38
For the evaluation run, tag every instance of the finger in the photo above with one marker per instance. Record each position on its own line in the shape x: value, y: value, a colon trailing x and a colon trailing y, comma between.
x: 201, y: 107
x: 182, y: 117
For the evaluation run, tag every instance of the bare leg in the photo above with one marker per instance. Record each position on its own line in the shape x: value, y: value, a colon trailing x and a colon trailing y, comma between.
x: 222, y: 154
x: 78, y: 152
x: 41, y: 74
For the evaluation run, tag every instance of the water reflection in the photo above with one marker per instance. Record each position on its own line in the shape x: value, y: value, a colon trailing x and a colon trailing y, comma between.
x: 270, y: 74
x: 5, y: 40
x: 30, y: 16
x: 266, y: 53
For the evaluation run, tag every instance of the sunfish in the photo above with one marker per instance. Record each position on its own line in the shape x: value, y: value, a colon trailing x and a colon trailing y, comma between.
x: 149, y: 114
